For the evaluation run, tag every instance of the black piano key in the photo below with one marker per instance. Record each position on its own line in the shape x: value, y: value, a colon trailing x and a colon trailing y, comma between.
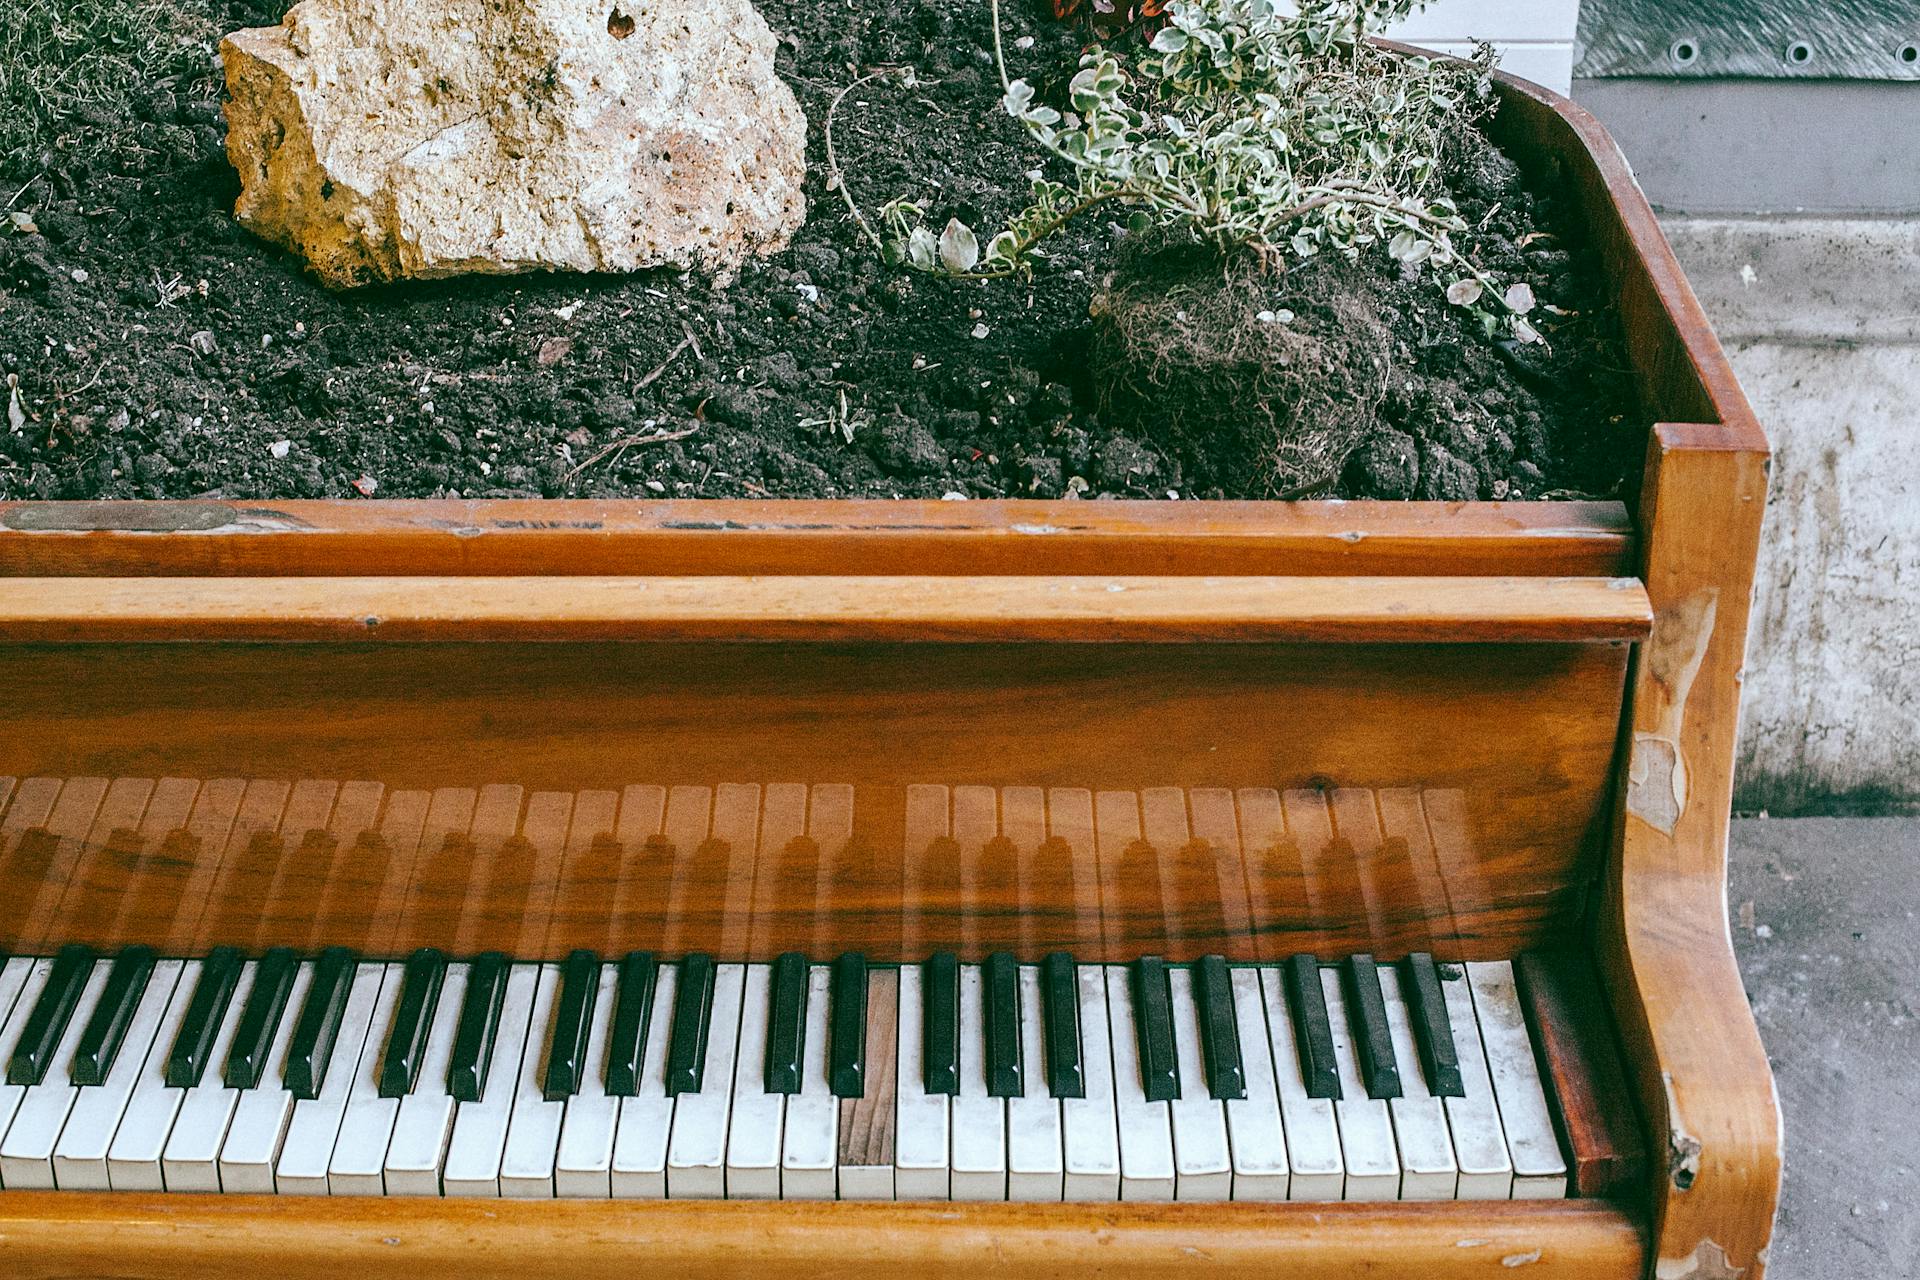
x: 206, y: 1010
x: 692, y: 1012
x: 420, y: 983
x: 847, y: 1042
x: 40, y: 1037
x: 1372, y: 1038
x: 1432, y: 1030
x: 311, y: 1052
x: 1219, y: 1029
x: 479, y: 1027
x: 1153, y: 1028
x: 572, y: 1023
x: 632, y: 1011
x: 940, y: 1022
x: 106, y: 1028
x: 1060, y: 1000
x: 1312, y: 1029
x: 786, y: 1023
x: 1000, y: 995
x: 260, y: 1018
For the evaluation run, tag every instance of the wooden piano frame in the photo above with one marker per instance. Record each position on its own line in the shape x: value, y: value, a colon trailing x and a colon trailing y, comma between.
x: 1661, y: 594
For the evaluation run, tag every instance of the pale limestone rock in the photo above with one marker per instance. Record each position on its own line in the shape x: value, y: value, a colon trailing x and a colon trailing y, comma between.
x: 388, y: 139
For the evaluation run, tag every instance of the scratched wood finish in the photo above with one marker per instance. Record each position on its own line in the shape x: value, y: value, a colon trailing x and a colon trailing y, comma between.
x: 1103, y: 610
x: 550, y: 537
x: 954, y: 794
x: 1573, y: 1033
x: 62, y: 1235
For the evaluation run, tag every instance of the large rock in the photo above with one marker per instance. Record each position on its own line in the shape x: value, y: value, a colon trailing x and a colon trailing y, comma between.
x: 383, y: 139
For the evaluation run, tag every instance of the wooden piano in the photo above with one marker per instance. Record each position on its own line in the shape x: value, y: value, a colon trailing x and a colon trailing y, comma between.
x: 496, y: 889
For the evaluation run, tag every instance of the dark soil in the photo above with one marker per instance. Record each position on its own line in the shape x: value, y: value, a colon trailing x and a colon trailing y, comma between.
x: 161, y: 351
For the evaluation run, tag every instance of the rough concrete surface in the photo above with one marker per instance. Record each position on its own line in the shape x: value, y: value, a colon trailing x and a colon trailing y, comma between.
x: 1821, y: 318
x: 1827, y: 928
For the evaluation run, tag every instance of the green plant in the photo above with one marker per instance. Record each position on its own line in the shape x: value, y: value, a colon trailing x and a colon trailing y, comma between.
x: 1283, y: 134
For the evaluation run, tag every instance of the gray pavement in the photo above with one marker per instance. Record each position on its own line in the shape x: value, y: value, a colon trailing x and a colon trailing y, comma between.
x: 1826, y: 922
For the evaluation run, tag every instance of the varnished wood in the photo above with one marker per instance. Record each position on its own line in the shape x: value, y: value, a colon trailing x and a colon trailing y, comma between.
x: 819, y: 609
x: 502, y: 538
x: 1600, y: 1126
x: 61, y: 1236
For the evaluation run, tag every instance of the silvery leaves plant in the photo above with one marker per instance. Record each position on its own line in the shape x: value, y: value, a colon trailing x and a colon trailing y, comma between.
x: 1277, y: 131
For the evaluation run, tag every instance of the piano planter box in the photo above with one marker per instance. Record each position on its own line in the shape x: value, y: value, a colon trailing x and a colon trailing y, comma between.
x: 1284, y: 734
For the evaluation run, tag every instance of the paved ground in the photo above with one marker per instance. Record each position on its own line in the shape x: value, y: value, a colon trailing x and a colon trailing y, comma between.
x: 1827, y: 925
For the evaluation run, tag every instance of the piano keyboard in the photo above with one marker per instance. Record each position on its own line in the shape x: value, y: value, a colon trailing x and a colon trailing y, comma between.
x: 801, y: 1079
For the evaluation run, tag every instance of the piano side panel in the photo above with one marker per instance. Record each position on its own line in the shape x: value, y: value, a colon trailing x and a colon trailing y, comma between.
x: 1109, y: 800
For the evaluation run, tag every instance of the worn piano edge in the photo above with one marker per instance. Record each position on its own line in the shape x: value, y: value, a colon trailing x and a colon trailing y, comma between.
x: 49, y: 1235
x: 822, y: 608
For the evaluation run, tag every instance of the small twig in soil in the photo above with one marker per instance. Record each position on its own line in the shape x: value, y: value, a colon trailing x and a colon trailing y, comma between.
x: 23, y: 190
x: 836, y: 178
x: 661, y: 368
x: 631, y: 442
x: 697, y: 353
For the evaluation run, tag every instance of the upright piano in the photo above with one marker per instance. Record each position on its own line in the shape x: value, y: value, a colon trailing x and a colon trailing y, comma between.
x: 507, y: 889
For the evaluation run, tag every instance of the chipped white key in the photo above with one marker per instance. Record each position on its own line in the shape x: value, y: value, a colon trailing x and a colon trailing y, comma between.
x: 921, y: 1154
x: 811, y: 1145
x: 584, y: 1166
x: 424, y: 1122
x: 646, y: 1119
x: 133, y: 1160
x: 1254, y: 1130
x: 533, y: 1134
x: 1089, y: 1126
x: 1420, y: 1134
x: 191, y: 1158
x: 979, y: 1119
x: 1202, y: 1163
x: 697, y: 1146
x: 1539, y: 1172
x: 366, y: 1126
x: 315, y: 1124
x: 1479, y: 1141
x: 80, y: 1159
x: 1315, y: 1168
x: 480, y: 1128
x: 1036, y: 1168
x: 26, y: 1155
x: 1366, y: 1130
x: 1146, y: 1128
x: 754, y: 1136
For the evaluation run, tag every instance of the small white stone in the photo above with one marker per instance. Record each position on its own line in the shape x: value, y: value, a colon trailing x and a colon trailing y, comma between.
x: 981, y: 330
x: 80, y: 275
x: 656, y: 486
x: 566, y: 312
x: 280, y: 448
x: 953, y: 495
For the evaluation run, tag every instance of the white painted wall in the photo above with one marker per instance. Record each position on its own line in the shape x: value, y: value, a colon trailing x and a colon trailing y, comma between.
x: 1534, y: 37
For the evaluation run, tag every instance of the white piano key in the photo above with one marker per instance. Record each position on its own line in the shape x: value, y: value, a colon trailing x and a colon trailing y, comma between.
x: 533, y: 1132
x: 811, y: 1147
x: 26, y: 1156
x: 754, y: 1136
x: 1539, y: 1172
x: 479, y: 1138
x: 1479, y: 1140
x: 1420, y: 1136
x: 21, y: 982
x: 80, y: 1158
x: 584, y: 1166
x: 133, y: 1159
x: 1315, y: 1168
x: 1146, y: 1128
x: 921, y: 1153
x: 1202, y: 1162
x: 315, y: 1123
x: 227, y: 1139
x: 424, y: 1123
x: 697, y: 1147
x: 1366, y: 1130
x: 646, y: 1119
x: 366, y: 1126
x: 1090, y: 1131
x: 979, y: 1120
x: 1254, y: 1131
x: 1036, y: 1156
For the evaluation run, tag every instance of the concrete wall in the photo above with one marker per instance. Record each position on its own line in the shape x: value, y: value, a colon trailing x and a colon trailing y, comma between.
x: 1822, y: 320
